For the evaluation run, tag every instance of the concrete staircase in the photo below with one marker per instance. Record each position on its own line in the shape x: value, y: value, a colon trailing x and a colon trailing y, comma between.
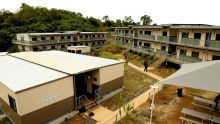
x: 158, y: 62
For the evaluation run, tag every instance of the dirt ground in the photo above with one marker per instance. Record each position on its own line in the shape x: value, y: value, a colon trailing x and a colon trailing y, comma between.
x: 168, y: 106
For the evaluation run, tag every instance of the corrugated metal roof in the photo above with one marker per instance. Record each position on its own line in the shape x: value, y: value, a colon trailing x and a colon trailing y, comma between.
x: 63, y: 33
x: 19, y: 75
x: 66, y: 62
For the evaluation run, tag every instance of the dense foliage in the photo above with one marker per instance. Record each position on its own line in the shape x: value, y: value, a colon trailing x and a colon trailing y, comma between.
x: 40, y: 19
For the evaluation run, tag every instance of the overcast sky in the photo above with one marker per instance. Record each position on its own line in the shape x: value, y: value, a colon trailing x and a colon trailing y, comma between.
x: 161, y: 11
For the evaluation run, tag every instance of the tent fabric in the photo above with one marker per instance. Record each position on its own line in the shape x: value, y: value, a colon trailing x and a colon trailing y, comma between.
x: 202, y: 75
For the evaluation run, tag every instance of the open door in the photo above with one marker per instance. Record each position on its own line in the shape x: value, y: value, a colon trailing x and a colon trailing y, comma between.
x: 89, y: 83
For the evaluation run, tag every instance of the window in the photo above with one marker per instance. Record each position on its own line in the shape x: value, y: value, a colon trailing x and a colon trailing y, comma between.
x: 147, y: 32
x: 197, y: 35
x: 217, y: 37
x: 95, y: 79
x: 68, y: 37
x: 34, y: 39
x: 116, y: 39
x: 23, y: 48
x: 215, y: 57
x: 81, y: 44
x: 147, y: 44
x: 103, y: 42
x: 93, y: 35
x: 69, y: 45
x: 75, y: 39
x: 185, y: 35
x: 86, y: 44
x: 78, y: 51
x: 140, y: 43
x: 43, y: 38
x: 81, y: 36
x: 195, y: 54
x: 163, y: 48
x: 69, y: 51
x: 183, y: 52
x: 98, y: 42
x: 98, y: 35
x: 52, y: 47
x: 73, y: 51
x: 140, y: 32
x: 52, y: 38
x: 93, y: 43
x: 62, y: 37
x: 164, y: 33
x: 22, y: 38
x: 131, y: 31
x: 126, y: 41
x: 12, y: 103
x: 103, y: 35
x: 86, y: 36
x: 62, y: 46
x: 44, y: 48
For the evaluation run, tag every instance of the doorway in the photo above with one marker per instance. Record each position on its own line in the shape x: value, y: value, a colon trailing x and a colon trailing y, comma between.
x: 172, y: 50
x: 83, y: 84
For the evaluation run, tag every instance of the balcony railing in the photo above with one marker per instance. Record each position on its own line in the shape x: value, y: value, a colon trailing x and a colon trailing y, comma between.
x: 98, y: 38
x: 129, y: 34
x: 84, y: 39
x: 189, y: 59
x: 214, y: 44
x: 162, y: 52
x: 64, y: 40
x: 35, y: 42
x: 145, y: 36
x: 135, y: 47
x: 167, y: 39
x: 114, y: 34
x: 97, y: 45
x: 190, y: 41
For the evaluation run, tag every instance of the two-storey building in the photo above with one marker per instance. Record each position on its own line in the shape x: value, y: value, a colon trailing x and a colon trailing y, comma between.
x: 58, y: 40
x: 182, y: 43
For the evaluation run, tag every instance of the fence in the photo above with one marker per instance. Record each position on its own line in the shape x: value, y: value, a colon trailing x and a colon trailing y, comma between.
x: 117, y: 117
x: 81, y: 101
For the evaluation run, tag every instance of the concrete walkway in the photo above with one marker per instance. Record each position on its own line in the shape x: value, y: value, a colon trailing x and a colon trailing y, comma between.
x: 104, y: 116
x: 148, y: 73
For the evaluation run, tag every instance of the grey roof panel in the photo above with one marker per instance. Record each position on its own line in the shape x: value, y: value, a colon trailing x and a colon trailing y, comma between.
x: 19, y: 75
x: 66, y: 62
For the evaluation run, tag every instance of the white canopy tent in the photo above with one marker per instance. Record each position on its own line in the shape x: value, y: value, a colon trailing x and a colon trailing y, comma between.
x: 202, y: 75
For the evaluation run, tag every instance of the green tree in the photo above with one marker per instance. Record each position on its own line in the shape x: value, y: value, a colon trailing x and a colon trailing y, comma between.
x: 146, y: 20
x: 128, y: 21
x: 13, y: 49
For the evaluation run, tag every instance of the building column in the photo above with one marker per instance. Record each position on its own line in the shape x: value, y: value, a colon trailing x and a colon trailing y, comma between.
x: 177, y: 53
x: 202, y: 39
x: 155, y: 48
x: 156, y: 32
x: 180, y: 37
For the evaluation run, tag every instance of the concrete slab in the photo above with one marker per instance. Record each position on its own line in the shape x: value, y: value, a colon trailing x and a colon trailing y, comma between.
x: 100, y: 113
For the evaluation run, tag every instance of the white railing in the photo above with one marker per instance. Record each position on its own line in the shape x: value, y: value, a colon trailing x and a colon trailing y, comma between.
x: 97, y: 94
x: 81, y: 101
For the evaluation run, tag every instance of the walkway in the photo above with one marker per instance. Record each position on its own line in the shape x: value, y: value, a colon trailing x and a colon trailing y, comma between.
x: 105, y: 116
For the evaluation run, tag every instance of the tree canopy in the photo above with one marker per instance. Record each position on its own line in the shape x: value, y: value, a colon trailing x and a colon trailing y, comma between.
x: 146, y: 20
x: 40, y: 19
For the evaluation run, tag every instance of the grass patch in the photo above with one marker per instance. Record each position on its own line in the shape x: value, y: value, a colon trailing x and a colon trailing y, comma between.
x: 136, y: 62
x: 163, y: 71
x: 135, y: 83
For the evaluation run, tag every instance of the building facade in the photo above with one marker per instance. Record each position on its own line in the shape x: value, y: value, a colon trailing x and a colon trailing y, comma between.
x: 59, y: 40
x: 181, y: 43
x: 37, y: 87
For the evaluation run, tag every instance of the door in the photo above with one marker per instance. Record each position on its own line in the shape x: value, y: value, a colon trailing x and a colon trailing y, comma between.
x: 89, y: 83
x: 207, y: 39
